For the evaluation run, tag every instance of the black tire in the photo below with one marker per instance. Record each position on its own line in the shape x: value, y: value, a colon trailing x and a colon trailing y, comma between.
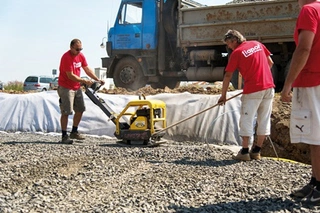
x: 157, y: 85
x: 128, y: 74
x: 170, y: 83
x: 170, y: 16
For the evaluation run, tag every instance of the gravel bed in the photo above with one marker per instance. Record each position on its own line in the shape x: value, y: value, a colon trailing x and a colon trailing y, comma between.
x: 39, y: 175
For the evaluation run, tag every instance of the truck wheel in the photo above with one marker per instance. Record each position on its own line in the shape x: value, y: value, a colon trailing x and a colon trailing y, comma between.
x: 172, y: 83
x: 128, y: 74
x: 170, y: 16
x: 157, y: 85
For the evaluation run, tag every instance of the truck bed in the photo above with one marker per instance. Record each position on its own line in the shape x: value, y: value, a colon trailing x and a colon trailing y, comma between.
x: 266, y: 21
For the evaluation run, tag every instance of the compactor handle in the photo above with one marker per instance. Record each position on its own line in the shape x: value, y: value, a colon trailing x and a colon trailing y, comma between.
x: 95, y: 86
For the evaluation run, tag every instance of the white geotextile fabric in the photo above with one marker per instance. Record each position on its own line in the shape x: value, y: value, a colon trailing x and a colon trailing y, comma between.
x: 39, y: 112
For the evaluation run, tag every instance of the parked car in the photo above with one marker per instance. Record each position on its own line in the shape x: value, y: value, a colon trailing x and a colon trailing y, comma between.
x: 54, y: 83
x: 37, y: 83
x: 1, y: 85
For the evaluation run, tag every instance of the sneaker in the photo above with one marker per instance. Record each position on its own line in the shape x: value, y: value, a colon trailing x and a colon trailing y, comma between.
x: 242, y: 157
x: 76, y: 135
x: 313, y: 199
x: 66, y: 140
x: 303, y: 192
x: 255, y: 155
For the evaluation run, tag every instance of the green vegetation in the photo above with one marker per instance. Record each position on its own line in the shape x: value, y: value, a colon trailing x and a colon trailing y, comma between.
x: 14, y: 85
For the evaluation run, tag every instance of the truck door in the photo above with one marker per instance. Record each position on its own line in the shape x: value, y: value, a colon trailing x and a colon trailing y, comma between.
x: 128, y: 27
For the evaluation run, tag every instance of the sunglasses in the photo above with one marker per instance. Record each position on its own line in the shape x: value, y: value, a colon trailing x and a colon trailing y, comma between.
x: 228, y: 36
x: 78, y: 49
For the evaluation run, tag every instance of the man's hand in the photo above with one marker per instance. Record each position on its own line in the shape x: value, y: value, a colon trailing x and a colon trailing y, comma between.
x: 87, y: 82
x: 222, y: 100
x: 101, y: 82
x: 286, y: 95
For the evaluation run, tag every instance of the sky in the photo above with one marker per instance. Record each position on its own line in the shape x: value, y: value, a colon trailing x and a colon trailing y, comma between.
x: 35, y: 34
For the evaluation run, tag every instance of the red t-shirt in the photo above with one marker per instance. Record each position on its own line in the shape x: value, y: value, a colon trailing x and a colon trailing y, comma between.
x: 71, y: 63
x: 250, y: 58
x: 309, y: 19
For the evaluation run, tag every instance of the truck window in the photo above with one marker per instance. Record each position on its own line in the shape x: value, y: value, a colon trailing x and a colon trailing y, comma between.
x: 131, y: 14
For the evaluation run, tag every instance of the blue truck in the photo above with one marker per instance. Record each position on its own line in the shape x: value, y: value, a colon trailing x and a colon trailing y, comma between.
x: 163, y: 42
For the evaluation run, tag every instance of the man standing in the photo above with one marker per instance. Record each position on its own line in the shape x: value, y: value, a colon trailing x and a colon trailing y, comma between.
x: 69, y: 90
x: 253, y: 61
x: 304, y: 77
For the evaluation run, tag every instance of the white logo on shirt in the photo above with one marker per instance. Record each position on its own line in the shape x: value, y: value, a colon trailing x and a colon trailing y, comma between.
x: 252, y: 50
x: 77, y: 64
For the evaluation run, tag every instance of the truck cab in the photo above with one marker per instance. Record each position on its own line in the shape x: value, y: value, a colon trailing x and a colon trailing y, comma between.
x: 132, y: 43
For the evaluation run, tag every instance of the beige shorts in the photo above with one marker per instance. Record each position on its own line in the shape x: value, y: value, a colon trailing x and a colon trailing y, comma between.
x: 305, y: 115
x: 70, y: 101
x: 256, y: 104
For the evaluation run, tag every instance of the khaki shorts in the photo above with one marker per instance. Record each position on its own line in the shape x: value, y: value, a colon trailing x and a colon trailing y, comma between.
x: 305, y: 115
x: 70, y: 101
x: 256, y: 104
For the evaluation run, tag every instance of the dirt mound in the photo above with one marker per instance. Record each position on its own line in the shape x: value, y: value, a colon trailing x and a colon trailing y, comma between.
x: 280, y: 121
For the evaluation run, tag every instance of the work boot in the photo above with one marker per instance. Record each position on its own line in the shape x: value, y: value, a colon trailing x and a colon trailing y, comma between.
x: 66, y: 140
x: 76, y: 135
x: 242, y: 157
x: 303, y: 192
x: 255, y: 155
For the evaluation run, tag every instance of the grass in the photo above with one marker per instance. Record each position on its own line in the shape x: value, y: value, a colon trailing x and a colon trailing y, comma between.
x: 13, y: 85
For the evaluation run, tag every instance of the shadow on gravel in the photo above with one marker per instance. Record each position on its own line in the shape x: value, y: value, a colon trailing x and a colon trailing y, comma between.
x: 208, y: 162
x: 261, y: 205
x: 112, y: 145
x: 75, y: 143
x: 33, y: 142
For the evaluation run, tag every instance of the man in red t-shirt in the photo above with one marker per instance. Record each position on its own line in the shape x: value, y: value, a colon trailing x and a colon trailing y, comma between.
x: 304, y: 77
x: 69, y: 90
x: 254, y: 63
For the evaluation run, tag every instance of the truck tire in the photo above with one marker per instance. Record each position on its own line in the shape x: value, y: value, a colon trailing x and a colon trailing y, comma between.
x: 128, y: 74
x: 165, y: 82
x: 172, y: 83
x: 157, y: 85
x: 170, y: 16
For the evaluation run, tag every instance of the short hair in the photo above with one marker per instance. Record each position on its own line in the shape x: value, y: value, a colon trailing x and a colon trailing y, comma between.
x: 234, y: 35
x: 74, y: 41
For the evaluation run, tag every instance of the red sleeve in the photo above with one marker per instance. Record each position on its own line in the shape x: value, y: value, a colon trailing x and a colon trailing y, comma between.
x: 66, y: 63
x: 307, y: 19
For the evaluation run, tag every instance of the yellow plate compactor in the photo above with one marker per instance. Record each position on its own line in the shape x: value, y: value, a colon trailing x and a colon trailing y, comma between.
x: 138, y: 123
